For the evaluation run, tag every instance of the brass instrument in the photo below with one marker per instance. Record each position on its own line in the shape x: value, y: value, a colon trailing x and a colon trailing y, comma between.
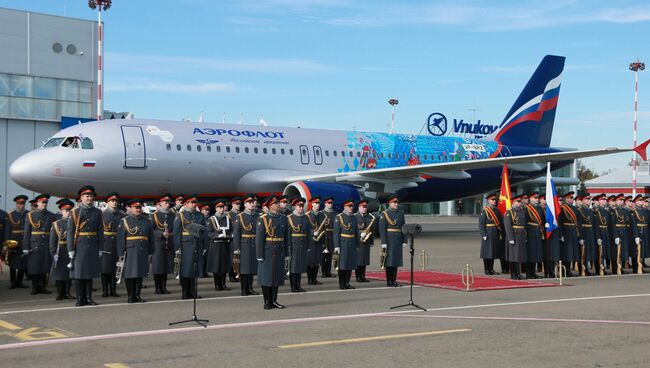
x: 177, y: 265
x: 382, y: 259
x: 236, y: 264
x: 321, y: 230
x: 600, y: 260
x: 335, y: 260
x: 78, y: 226
x: 618, y: 259
x: 639, y: 261
x: 582, y: 260
x: 9, y: 245
x: 368, y: 230
x: 119, y: 268
x: 287, y: 265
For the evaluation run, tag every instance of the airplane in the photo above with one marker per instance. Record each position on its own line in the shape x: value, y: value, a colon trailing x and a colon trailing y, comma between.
x: 144, y: 158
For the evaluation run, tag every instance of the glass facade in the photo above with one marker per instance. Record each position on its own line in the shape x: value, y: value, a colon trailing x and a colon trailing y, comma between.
x: 27, y: 97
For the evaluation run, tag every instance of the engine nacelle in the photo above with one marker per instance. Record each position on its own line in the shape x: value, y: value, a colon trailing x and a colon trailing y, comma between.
x: 309, y: 189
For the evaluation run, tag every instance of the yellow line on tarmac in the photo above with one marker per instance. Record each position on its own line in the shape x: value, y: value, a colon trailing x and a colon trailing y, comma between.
x: 9, y: 326
x: 116, y: 365
x: 373, y: 338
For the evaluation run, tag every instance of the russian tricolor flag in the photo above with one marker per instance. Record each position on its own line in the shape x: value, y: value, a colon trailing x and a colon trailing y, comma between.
x: 89, y: 164
x: 552, y: 203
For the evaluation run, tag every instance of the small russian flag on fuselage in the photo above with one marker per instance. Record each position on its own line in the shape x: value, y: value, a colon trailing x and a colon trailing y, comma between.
x: 89, y: 163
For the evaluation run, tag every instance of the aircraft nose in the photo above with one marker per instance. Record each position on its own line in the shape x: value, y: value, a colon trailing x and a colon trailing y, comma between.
x: 25, y: 169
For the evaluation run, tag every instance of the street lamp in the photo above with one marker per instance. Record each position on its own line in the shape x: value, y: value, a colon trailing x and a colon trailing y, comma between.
x: 393, y: 102
x: 100, y: 5
x: 635, y: 67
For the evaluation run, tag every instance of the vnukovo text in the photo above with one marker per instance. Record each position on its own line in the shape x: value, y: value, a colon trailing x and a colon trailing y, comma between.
x: 477, y: 128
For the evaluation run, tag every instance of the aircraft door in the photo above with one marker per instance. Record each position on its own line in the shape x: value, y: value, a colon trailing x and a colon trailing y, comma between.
x: 318, y: 155
x: 304, y: 155
x: 134, y: 148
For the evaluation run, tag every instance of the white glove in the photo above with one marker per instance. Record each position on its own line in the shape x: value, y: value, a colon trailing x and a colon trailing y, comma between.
x: 562, y: 239
x: 363, y: 235
x: 222, y: 235
x: 100, y: 253
x: 260, y: 259
x: 316, y: 234
x: 403, y: 245
x: 56, y: 258
x: 25, y: 251
x: 384, y: 246
x: 637, y: 240
x: 178, y: 251
x: 237, y: 251
x: 71, y: 254
x: 617, y: 241
x: 512, y: 242
x: 337, y: 250
x: 599, y: 241
x: 581, y: 241
x: 485, y: 238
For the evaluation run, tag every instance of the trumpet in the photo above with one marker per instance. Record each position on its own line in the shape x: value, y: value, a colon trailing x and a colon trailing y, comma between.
x: 320, y: 231
x: 119, y: 269
x: 382, y: 259
x: 287, y: 265
x: 9, y: 246
x: 618, y: 259
x: 177, y: 265
x: 600, y: 260
x: 335, y: 260
x: 236, y: 264
x: 368, y: 230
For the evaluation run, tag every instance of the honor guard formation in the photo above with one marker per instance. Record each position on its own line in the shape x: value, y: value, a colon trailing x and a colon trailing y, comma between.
x: 269, y: 240
x: 598, y: 235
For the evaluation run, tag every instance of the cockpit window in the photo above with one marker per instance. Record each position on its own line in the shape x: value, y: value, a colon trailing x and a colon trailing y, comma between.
x: 77, y: 142
x: 53, y: 142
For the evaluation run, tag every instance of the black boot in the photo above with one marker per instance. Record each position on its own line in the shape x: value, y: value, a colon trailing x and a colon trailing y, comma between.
x: 105, y: 280
x: 68, y: 288
x: 60, y: 290
x: 292, y: 282
x: 157, y: 281
x: 300, y: 289
x: 89, y: 292
x: 348, y: 277
x: 389, y: 276
x: 36, y: 288
x: 357, y: 274
x: 243, y: 280
x: 19, y: 280
x: 113, y: 287
x: 486, y: 267
x: 342, y: 285
x: 274, y: 298
x: 80, y: 293
x: 43, y: 282
x: 138, y: 289
x: 184, y: 287
x: 491, y: 264
x: 129, y: 290
x: 266, y: 292
x: 12, y: 278
x: 251, y: 291
x: 505, y: 266
x: 315, y: 276
x: 395, y: 283
x: 163, y: 278
x: 223, y: 281
x: 217, y: 282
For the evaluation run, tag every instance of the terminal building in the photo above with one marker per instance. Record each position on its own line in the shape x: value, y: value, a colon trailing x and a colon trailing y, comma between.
x: 48, y: 70
x: 620, y: 181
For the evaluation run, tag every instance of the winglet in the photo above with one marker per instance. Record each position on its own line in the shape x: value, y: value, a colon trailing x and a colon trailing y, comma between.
x: 641, y: 149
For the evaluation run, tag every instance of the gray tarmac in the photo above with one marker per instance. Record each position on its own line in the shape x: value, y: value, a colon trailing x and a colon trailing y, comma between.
x: 593, y: 322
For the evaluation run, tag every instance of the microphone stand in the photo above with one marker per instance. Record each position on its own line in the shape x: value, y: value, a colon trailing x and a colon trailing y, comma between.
x: 410, y: 303
x: 195, y: 262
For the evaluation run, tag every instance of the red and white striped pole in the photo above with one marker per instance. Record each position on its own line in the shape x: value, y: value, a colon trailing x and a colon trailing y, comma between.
x: 635, y: 67
x: 100, y: 66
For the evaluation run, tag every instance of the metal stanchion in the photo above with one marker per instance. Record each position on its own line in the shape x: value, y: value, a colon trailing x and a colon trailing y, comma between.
x: 560, y: 272
x: 468, y: 277
x: 424, y: 260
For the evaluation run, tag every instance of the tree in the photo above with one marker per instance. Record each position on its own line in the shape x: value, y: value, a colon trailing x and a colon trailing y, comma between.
x: 583, y: 173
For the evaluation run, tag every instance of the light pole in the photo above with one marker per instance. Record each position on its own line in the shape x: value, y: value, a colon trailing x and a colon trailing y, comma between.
x: 393, y: 102
x: 100, y: 5
x: 635, y: 67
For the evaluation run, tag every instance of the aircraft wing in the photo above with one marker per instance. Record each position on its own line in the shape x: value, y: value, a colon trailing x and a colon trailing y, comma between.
x: 405, y: 175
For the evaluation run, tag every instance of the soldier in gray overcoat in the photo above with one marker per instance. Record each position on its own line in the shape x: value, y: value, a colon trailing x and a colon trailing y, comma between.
x: 110, y: 221
x: 59, y: 251
x: 346, y: 243
x: 271, y: 241
x: 220, y: 237
x: 392, y: 239
x: 535, y: 223
x: 162, y: 261
x: 367, y: 224
x: 14, y: 230
x: 570, y: 230
x: 316, y: 240
x: 328, y: 239
x: 514, y: 223
x: 299, y: 240
x: 490, y: 227
x: 36, y: 244
x: 85, y: 236
x: 244, y: 245
x: 135, y: 242
x: 190, y: 242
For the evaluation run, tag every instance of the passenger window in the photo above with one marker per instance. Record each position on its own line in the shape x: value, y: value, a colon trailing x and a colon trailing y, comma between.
x: 209, y: 148
x: 237, y: 149
x: 189, y: 148
x: 198, y: 148
x: 273, y: 151
x: 282, y: 151
x: 218, y: 148
x: 327, y: 153
x: 291, y: 151
x: 358, y: 153
x: 246, y: 149
x: 381, y: 155
x: 255, y: 150
x: 342, y: 153
x: 264, y: 150
x: 178, y: 147
x: 335, y: 153
x: 169, y: 147
x: 389, y: 155
x: 228, y: 149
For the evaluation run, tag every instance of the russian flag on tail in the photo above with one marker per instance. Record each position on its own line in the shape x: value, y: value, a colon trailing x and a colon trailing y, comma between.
x: 552, y: 203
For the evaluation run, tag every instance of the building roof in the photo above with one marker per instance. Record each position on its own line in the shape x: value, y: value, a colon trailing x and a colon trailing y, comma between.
x: 622, y: 178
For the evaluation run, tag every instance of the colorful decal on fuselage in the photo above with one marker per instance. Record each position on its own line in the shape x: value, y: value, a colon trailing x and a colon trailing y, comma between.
x: 381, y: 150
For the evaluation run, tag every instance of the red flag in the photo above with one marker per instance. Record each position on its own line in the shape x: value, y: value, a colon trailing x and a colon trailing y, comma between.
x: 505, y: 197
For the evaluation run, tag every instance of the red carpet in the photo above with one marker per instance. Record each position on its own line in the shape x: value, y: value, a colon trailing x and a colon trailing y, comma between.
x: 453, y: 281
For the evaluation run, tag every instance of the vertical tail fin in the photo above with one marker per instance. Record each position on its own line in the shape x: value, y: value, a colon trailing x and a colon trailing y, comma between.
x: 530, y: 120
